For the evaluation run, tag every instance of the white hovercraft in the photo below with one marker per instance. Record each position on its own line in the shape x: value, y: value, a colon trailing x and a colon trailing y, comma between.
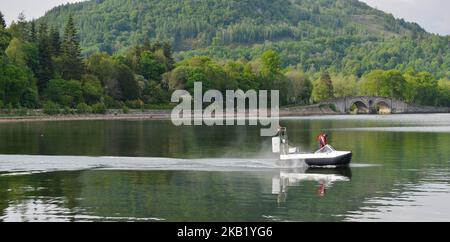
x: 327, y: 156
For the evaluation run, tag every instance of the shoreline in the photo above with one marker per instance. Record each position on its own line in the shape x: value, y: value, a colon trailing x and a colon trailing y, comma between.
x: 86, y: 117
x: 158, y: 115
x: 115, y: 114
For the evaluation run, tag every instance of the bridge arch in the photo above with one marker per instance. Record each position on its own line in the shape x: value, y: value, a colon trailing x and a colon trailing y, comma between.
x: 382, y: 107
x: 367, y: 104
x: 359, y: 107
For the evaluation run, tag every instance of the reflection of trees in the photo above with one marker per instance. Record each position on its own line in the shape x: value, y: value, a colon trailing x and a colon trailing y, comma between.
x: 44, y: 186
x: 405, y: 158
x: 175, y: 196
x: 129, y: 138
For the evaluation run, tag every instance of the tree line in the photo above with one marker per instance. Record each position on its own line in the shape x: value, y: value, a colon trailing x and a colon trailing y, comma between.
x: 43, y: 68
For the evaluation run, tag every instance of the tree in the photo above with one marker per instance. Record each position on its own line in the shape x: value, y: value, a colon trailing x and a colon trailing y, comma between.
x: 422, y: 88
x: 45, y: 71
x: 444, y: 92
x: 16, y: 53
x: 67, y: 93
x: 393, y: 84
x: 204, y: 69
x: 2, y: 21
x: 33, y: 34
x: 29, y: 98
x: 128, y: 83
x: 371, y: 83
x: 92, y: 89
x: 149, y: 67
x: 176, y: 79
x: 13, y: 81
x: 345, y: 86
x: 240, y: 74
x: 167, y: 50
x: 31, y: 51
x: 19, y: 29
x: 389, y: 83
x: 271, y: 63
x: 5, y: 38
x: 71, y: 62
x: 300, y: 88
x: 153, y: 93
x: 105, y: 69
x: 323, y: 88
x: 55, y: 41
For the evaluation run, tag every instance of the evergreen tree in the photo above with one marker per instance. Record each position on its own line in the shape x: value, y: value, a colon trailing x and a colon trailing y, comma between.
x: 2, y: 21
x: 167, y: 47
x: 71, y: 62
x: 22, y: 27
x: 45, y: 70
x: 5, y: 38
x: 323, y: 88
x: 55, y: 41
x: 33, y: 35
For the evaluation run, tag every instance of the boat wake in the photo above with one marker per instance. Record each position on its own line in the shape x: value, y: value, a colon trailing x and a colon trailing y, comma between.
x: 28, y: 164
x: 13, y: 165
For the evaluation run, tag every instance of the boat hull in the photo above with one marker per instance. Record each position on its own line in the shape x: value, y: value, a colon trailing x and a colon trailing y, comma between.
x: 341, y: 160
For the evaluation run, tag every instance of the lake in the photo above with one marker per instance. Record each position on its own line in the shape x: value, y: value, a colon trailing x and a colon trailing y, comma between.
x: 153, y: 171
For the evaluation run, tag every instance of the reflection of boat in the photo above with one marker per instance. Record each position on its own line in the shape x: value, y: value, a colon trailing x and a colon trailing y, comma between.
x: 327, y: 156
x: 324, y: 177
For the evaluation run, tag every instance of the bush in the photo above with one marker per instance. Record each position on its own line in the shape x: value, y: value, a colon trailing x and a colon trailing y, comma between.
x: 22, y: 111
x: 83, y: 108
x: 9, y: 108
x: 51, y: 108
x: 111, y: 103
x: 99, y: 108
x: 125, y: 109
x: 162, y: 106
x: 68, y: 110
x: 65, y: 93
x: 135, y: 104
x: 30, y: 98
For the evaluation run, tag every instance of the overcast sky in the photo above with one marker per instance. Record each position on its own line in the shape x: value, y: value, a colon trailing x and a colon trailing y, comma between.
x: 433, y: 15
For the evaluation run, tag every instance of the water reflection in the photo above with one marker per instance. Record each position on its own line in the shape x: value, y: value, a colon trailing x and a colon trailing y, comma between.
x: 325, y: 179
x: 224, y: 173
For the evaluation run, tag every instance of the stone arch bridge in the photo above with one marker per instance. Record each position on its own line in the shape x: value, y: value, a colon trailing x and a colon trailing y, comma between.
x: 381, y: 105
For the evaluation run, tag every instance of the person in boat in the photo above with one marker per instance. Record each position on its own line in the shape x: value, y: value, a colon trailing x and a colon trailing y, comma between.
x: 323, y: 140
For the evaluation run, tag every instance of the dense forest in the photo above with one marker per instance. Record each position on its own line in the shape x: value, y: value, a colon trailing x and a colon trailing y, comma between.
x: 95, y: 55
x: 312, y: 35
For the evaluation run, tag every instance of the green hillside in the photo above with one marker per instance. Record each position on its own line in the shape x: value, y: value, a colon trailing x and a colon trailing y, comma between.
x: 125, y: 54
x: 113, y: 24
x: 346, y: 35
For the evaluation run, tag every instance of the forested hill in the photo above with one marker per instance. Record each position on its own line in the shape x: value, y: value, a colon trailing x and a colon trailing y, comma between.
x: 109, y: 25
x: 345, y: 35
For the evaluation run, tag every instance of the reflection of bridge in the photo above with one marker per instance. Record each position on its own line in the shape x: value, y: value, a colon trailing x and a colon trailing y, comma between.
x: 379, y: 105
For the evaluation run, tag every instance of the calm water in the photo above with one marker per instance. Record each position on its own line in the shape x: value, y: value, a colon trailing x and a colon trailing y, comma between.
x: 153, y: 171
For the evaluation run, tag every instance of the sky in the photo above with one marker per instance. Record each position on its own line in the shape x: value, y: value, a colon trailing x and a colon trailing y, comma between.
x: 31, y: 8
x: 433, y: 15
